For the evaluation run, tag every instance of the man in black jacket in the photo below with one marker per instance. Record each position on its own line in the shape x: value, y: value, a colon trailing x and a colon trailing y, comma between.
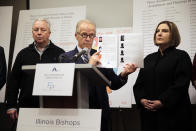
x: 42, y: 50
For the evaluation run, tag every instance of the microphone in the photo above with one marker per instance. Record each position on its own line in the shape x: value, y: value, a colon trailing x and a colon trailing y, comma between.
x: 78, y: 55
x: 64, y: 59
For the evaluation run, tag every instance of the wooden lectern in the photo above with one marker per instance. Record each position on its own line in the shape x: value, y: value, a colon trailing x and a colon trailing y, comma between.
x: 85, y: 75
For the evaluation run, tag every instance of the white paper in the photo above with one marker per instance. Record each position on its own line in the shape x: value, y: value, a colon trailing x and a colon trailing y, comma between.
x: 108, y: 47
x: 131, y: 49
x: 117, y: 50
x: 54, y: 79
x: 42, y: 119
x: 109, y: 31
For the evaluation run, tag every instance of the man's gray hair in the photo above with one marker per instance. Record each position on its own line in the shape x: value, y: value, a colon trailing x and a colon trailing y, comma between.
x: 84, y: 21
x: 43, y: 19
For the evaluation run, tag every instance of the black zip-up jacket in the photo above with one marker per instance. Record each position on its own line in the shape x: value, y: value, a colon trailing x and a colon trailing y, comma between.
x: 22, y: 81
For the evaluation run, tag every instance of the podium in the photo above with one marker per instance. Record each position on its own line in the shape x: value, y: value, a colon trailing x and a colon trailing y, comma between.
x: 85, y: 76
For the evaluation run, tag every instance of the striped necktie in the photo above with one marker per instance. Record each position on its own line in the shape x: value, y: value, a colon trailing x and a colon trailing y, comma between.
x: 85, y: 58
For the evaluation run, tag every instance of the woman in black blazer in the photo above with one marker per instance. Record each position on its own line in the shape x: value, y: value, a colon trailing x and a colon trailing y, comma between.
x: 161, y: 89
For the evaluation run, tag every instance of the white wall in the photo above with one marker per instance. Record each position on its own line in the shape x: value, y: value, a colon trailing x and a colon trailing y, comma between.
x: 105, y: 13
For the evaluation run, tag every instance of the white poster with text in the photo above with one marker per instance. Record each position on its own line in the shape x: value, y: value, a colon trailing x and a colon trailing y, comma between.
x: 42, y: 119
x: 54, y: 79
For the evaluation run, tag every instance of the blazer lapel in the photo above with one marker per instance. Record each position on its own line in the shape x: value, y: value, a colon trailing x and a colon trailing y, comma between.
x: 80, y: 60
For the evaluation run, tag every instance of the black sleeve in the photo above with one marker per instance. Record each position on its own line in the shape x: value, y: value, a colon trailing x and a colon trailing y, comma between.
x: 194, y: 69
x: 138, y: 88
x: 3, y: 68
x: 13, y: 82
x: 116, y: 80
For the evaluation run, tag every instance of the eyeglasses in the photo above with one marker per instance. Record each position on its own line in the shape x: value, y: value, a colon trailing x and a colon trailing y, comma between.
x: 85, y: 35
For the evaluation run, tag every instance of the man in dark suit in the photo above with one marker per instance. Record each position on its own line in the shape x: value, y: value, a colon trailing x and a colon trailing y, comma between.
x: 2, y: 67
x: 98, y: 97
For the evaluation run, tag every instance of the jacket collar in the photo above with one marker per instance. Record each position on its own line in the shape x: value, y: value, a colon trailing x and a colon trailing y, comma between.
x: 167, y: 51
x: 51, y: 45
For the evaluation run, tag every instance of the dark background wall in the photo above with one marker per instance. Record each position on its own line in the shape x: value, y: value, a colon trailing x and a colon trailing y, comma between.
x: 121, y: 119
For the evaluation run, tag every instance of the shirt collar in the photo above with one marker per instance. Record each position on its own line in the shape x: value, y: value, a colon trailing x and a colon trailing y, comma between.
x: 80, y: 49
x: 38, y: 50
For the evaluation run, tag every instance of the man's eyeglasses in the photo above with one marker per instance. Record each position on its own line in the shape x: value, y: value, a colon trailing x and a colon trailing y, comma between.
x: 85, y: 35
